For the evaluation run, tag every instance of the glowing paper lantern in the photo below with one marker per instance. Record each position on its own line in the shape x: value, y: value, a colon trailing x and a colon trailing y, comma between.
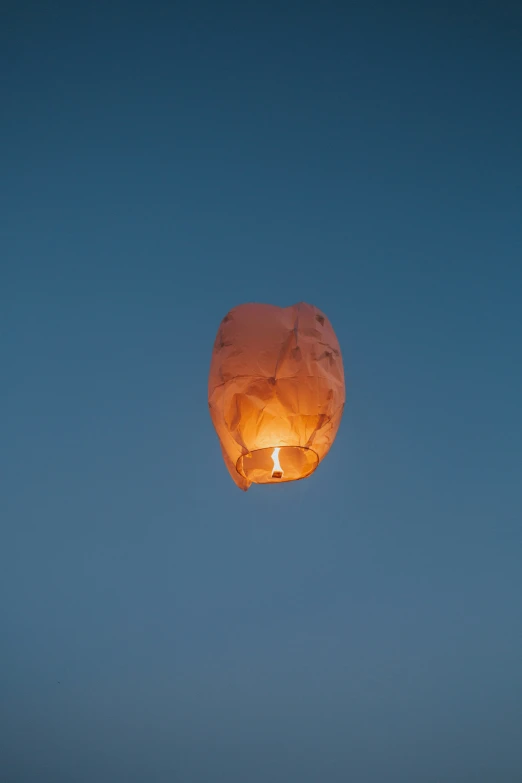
x: 276, y: 391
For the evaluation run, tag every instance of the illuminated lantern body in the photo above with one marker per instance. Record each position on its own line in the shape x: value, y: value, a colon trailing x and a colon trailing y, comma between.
x: 276, y: 391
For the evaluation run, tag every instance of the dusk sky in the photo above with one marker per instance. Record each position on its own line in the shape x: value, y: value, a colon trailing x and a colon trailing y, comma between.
x: 161, y: 163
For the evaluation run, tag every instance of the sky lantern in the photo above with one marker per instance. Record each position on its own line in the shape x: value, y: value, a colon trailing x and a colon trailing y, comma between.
x: 276, y: 391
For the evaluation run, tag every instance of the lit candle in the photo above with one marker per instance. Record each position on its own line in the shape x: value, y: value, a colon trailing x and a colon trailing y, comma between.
x: 277, y: 472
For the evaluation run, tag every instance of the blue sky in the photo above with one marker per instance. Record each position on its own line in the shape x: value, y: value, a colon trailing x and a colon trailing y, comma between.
x: 162, y: 163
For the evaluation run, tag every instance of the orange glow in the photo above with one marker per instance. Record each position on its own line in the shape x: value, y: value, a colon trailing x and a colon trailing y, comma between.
x: 278, y: 471
x: 276, y: 384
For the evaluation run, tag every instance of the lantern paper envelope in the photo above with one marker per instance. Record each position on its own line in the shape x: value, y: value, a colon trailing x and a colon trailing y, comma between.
x: 276, y: 391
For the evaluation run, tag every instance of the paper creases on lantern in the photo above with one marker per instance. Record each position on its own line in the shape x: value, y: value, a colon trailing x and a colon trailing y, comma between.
x: 276, y: 382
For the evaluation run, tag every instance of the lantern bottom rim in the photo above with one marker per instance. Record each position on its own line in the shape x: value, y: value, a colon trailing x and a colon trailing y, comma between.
x: 277, y: 464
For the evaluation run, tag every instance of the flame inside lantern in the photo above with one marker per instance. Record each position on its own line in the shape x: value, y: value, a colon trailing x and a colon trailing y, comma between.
x: 278, y: 471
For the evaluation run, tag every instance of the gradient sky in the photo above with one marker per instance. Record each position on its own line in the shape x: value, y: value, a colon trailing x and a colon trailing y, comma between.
x: 161, y: 163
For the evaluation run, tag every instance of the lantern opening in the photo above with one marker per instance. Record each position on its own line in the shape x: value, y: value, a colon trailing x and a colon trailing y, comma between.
x: 277, y: 465
x: 278, y: 471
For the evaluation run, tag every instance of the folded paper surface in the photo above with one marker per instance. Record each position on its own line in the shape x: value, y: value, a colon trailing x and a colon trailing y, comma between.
x: 276, y: 391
